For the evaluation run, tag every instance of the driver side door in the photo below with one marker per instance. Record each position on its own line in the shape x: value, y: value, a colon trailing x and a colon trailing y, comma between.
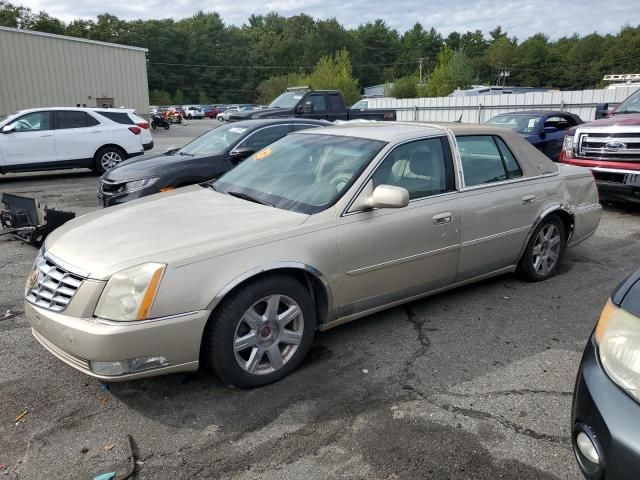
x: 31, y: 143
x: 394, y: 254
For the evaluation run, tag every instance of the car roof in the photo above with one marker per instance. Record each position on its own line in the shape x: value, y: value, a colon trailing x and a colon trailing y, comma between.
x: 77, y: 109
x: 538, y: 112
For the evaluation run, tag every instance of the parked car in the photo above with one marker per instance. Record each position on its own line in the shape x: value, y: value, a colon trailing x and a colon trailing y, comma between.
x: 319, y: 228
x: 205, y: 158
x: 224, y: 116
x: 543, y: 129
x: 56, y: 138
x: 193, y: 111
x: 610, y: 147
x: 125, y: 116
x: 605, y: 417
x: 211, y: 112
x: 320, y: 104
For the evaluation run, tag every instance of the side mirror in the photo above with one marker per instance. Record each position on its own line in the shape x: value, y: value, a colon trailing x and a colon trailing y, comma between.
x: 9, y: 128
x: 602, y: 110
x: 389, y: 196
x: 240, y: 153
x: 171, y: 149
x: 549, y: 129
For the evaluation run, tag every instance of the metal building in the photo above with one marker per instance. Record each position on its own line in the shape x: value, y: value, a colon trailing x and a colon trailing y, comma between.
x: 45, y: 70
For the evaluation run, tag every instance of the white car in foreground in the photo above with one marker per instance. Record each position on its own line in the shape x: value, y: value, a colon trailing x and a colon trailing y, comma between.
x: 60, y: 137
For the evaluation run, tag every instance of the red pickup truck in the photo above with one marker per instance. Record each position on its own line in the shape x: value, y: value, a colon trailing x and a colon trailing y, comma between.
x: 610, y: 147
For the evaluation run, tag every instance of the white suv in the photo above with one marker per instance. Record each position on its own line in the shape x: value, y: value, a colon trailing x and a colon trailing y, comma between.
x: 192, y: 111
x: 55, y: 138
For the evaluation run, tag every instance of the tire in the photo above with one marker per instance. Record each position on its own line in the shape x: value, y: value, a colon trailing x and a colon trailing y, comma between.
x: 272, y: 348
x: 153, y: 126
x: 189, y: 116
x: 166, y: 125
x: 544, y: 251
x: 107, y: 158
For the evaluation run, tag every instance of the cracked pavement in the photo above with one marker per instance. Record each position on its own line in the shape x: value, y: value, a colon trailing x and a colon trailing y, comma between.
x: 475, y: 383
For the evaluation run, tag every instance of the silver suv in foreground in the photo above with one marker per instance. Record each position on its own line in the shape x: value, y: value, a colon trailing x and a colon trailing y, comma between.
x: 320, y: 228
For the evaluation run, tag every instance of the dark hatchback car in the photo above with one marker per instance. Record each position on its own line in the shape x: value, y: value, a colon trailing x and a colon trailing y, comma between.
x: 606, y: 401
x: 544, y: 129
x: 206, y: 157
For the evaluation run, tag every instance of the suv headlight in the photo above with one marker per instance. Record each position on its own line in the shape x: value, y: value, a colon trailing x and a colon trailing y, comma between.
x: 129, y: 294
x: 618, y: 338
x: 139, y: 184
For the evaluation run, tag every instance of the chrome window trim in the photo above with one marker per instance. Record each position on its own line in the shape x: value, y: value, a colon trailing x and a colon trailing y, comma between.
x: 508, y: 182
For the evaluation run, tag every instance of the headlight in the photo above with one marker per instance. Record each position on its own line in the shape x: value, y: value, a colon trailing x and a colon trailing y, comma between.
x: 618, y: 337
x: 567, y: 146
x: 129, y: 294
x: 139, y: 184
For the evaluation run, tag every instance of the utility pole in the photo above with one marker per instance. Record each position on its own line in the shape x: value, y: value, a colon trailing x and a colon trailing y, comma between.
x: 421, y: 59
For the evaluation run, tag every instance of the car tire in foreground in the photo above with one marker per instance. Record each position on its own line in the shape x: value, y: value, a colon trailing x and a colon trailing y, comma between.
x: 107, y: 158
x: 261, y: 332
x: 544, y: 251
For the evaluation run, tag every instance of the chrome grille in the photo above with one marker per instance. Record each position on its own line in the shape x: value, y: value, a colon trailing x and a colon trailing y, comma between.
x: 54, y: 287
x: 614, y: 146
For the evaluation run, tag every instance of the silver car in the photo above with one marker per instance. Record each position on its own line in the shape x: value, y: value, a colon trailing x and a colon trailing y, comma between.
x: 318, y: 229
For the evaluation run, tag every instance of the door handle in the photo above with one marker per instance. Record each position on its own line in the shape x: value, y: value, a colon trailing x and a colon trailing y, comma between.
x: 96, y: 131
x: 46, y: 135
x: 528, y: 199
x: 442, y: 218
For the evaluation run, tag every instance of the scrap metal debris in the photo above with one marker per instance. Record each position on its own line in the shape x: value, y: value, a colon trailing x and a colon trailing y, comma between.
x: 20, y: 417
x: 11, y: 313
x: 26, y: 219
x: 133, y: 458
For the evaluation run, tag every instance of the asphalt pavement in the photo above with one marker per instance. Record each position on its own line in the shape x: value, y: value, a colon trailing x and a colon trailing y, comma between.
x: 475, y: 383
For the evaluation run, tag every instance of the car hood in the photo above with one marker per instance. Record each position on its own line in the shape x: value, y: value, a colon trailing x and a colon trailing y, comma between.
x: 166, y: 228
x: 261, y: 113
x: 153, y: 166
x: 622, y: 120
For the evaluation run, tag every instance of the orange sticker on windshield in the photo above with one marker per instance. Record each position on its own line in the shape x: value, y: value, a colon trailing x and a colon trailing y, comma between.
x: 262, y: 153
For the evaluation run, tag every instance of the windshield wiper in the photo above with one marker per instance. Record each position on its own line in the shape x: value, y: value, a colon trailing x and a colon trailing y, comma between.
x: 187, y: 154
x: 245, y: 196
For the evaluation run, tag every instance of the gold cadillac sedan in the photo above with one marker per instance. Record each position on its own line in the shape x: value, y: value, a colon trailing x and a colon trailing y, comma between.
x: 320, y: 228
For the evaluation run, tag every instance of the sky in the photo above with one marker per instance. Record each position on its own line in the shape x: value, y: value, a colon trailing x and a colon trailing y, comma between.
x: 520, y: 18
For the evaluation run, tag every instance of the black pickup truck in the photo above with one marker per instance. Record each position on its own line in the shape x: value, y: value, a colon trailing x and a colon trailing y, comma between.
x: 319, y: 104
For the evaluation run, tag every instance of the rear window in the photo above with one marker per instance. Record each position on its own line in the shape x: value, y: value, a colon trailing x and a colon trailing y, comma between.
x: 118, y: 117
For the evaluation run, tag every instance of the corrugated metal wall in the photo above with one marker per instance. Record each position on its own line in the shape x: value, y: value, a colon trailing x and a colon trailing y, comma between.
x: 42, y: 70
x: 481, y: 108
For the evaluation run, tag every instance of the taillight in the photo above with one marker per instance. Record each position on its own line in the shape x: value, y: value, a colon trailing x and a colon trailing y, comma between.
x: 135, y: 130
x: 144, y: 125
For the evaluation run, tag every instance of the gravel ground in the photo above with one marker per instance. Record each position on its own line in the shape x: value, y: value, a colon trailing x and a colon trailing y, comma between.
x: 471, y: 384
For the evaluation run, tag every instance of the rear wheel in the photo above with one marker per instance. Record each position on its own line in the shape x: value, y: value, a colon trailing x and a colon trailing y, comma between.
x: 107, y: 158
x: 261, y: 332
x: 542, y: 256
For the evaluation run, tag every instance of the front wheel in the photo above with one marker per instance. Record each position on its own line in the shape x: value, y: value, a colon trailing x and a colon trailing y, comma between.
x: 261, y: 332
x: 542, y: 256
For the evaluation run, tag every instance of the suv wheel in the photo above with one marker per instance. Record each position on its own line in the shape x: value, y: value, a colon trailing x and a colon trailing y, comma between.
x: 107, y: 158
x: 261, y: 332
x: 545, y: 248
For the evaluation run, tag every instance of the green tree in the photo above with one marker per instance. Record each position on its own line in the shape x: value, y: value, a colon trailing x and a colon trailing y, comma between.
x: 203, y: 99
x: 335, y: 73
x: 159, y: 97
x: 405, y: 87
x: 453, y: 71
x: 178, y: 97
x: 270, y: 88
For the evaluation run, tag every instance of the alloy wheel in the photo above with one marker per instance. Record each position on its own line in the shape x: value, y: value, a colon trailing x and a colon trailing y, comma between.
x: 268, y: 334
x: 546, y: 249
x: 110, y: 159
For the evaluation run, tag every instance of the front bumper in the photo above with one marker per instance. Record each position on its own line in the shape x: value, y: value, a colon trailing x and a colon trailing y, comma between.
x: 612, y: 418
x: 109, y: 199
x: 79, y: 341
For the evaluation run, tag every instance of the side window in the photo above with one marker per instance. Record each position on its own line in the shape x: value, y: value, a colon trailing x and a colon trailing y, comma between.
x: 419, y: 166
x: 560, y: 123
x: 483, y: 162
x: 33, y: 122
x: 335, y: 103
x: 318, y: 102
x: 264, y: 137
x: 510, y: 162
x: 118, y: 117
x: 71, y: 119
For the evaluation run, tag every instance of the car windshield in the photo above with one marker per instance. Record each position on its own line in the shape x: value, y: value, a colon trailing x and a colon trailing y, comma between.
x: 215, y: 142
x: 361, y: 105
x: 304, y: 173
x: 630, y: 105
x: 287, y: 100
x: 517, y: 123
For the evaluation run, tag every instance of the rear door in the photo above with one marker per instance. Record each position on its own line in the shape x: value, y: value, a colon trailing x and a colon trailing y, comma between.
x: 498, y: 205
x: 32, y: 141
x: 78, y: 135
x: 336, y: 107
